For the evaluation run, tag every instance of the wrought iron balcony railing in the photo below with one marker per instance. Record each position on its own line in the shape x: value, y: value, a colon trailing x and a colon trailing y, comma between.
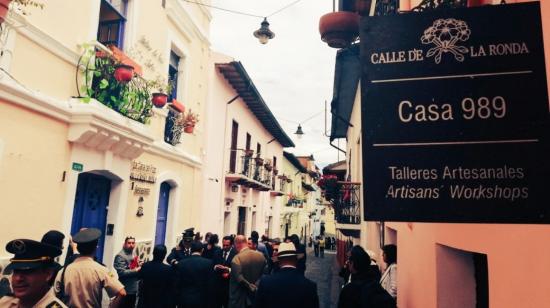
x: 347, y: 206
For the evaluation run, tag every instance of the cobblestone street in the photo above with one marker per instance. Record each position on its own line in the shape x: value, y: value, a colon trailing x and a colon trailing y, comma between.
x: 324, y: 272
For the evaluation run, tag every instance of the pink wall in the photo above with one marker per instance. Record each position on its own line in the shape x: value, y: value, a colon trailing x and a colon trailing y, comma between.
x: 518, y: 255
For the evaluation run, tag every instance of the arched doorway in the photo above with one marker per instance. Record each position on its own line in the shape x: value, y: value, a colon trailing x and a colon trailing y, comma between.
x: 162, y: 213
x: 91, y: 205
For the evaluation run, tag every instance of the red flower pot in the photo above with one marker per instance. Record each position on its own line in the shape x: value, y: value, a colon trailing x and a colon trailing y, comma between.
x: 4, y: 7
x: 189, y: 129
x: 124, y: 73
x: 159, y: 99
x: 339, y: 29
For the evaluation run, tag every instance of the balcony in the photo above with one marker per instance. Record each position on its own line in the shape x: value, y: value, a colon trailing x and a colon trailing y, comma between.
x: 250, y: 172
x: 347, y: 205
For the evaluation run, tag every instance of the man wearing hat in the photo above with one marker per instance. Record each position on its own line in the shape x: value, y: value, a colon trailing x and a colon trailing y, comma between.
x: 183, y: 250
x: 32, y: 269
x: 287, y: 287
x: 82, y: 281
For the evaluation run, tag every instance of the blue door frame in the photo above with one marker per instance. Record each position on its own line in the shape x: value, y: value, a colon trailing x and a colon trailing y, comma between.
x: 90, y: 206
x: 162, y: 213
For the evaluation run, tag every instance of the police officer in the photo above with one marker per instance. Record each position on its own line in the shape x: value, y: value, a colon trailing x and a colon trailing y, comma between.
x: 80, y: 283
x: 183, y: 250
x: 32, y: 269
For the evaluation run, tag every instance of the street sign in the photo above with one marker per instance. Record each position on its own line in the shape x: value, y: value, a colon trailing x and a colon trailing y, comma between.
x: 78, y: 167
x: 455, y: 116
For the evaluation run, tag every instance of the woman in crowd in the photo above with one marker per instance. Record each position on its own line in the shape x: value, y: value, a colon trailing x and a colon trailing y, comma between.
x: 389, y: 278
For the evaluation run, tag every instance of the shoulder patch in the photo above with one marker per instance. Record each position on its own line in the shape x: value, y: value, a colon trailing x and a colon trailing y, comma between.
x: 54, y: 304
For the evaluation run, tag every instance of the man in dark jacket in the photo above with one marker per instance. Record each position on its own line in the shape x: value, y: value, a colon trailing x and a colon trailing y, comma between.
x: 157, y: 282
x: 183, y: 249
x: 195, y: 279
x: 223, y: 269
x: 288, y: 287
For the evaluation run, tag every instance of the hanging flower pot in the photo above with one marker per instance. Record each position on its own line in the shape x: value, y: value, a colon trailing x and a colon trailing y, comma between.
x: 124, y: 73
x: 159, y: 99
x: 189, y: 129
x: 339, y: 29
x: 4, y: 7
x: 275, y: 171
x: 259, y: 161
x: 248, y: 153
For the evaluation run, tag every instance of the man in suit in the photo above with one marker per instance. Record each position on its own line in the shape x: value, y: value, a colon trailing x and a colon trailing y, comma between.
x: 246, y: 269
x: 287, y: 288
x: 223, y: 269
x: 301, y: 249
x: 157, y: 282
x: 195, y: 279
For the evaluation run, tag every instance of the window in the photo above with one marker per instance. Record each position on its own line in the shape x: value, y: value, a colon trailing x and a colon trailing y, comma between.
x: 258, y: 149
x: 173, y: 75
x: 112, y: 18
x: 248, y: 138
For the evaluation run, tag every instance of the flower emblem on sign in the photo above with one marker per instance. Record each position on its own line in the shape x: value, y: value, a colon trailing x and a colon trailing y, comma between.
x: 445, y: 34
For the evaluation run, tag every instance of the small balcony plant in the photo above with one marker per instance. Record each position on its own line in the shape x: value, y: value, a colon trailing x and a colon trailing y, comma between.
x: 160, y: 88
x: 190, y: 120
x: 329, y: 184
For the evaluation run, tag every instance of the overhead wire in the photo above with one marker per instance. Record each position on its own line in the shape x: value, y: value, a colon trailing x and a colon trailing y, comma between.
x: 241, y: 12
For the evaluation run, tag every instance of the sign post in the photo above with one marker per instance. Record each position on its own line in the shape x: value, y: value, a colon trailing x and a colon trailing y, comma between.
x: 455, y: 116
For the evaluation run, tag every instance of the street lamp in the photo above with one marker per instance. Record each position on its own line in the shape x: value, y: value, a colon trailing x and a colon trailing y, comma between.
x: 299, y: 132
x: 264, y: 34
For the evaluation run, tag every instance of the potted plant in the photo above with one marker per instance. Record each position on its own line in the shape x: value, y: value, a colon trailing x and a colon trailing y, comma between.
x: 191, y: 119
x: 339, y: 29
x: 259, y: 160
x: 123, y: 73
x: 267, y: 165
x: 5, y: 5
x: 248, y: 153
x: 160, y: 89
x: 275, y: 171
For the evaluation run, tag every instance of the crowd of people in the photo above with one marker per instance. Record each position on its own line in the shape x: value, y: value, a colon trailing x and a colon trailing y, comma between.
x: 243, y: 272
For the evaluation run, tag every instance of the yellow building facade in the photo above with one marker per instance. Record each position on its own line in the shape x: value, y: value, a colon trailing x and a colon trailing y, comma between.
x: 67, y: 163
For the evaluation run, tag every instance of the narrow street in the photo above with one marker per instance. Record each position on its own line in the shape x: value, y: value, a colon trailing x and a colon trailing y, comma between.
x: 324, y: 272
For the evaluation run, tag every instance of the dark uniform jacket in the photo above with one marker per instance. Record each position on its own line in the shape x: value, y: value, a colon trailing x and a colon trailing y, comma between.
x: 157, y: 286
x: 222, y: 284
x: 176, y: 255
x: 287, y: 288
x: 195, y: 282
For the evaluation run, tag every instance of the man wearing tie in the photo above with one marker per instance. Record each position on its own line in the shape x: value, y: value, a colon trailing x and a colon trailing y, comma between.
x: 223, y: 268
x: 183, y: 250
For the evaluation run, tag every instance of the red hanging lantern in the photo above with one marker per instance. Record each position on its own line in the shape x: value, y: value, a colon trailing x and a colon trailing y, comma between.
x: 124, y: 73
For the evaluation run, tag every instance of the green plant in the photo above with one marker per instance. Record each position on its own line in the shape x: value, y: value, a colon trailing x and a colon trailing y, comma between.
x: 160, y: 85
x: 132, y: 99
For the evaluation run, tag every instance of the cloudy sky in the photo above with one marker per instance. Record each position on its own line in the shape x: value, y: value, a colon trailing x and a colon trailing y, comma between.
x: 293, y: 72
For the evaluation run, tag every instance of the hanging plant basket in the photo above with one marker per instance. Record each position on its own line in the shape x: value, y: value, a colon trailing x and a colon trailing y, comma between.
x: 4, y: 8
x: 268, y: 167
x: 124, y: 73
x: 159, y: 99
x: 189, y: 129
x: 275, y: 171
x: 259, y: 161
x: 248, y: 153
x: 339, y: 29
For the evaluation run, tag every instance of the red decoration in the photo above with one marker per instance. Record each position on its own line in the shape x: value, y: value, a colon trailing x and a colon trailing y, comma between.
x: 339, y: 29
x: 189, y: 129
x: 159, y: 99
x: 124, y: 73
x: 134, y: 263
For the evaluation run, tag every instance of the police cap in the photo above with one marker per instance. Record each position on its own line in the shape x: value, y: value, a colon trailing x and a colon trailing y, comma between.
x: 87, y: 236
x: 29, y: 254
